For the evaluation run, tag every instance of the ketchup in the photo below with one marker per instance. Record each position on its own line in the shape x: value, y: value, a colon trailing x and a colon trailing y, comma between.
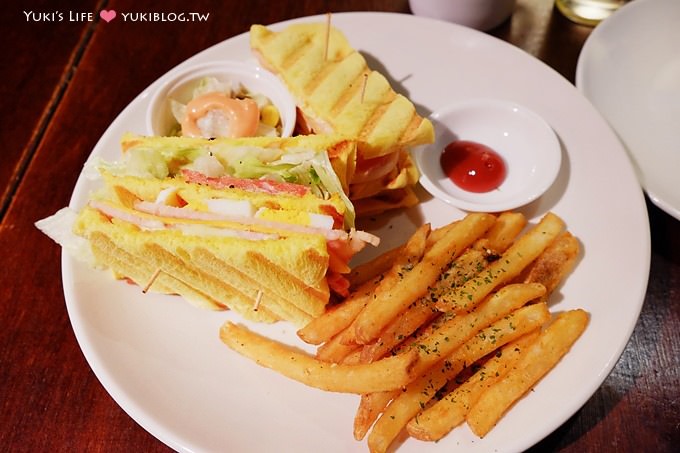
x: 472, y: 166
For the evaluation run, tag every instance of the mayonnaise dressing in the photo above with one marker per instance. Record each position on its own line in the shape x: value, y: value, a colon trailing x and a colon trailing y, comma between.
x: 241, y: 116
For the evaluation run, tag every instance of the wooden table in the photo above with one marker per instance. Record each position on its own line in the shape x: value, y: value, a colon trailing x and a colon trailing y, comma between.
x: 65, y: 81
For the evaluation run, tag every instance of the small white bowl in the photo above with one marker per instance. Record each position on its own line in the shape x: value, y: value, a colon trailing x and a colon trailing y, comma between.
x: 525, y: 141
x: 159, y: 119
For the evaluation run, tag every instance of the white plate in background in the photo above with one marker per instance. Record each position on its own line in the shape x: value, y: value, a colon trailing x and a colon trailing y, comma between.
x: 162, y: 361
x: 630, y: 70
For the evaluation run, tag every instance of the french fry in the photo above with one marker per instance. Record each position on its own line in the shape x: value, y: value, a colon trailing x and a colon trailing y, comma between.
x: 371, y: 269
x: 398, y: 330
x: 438, y: 233
x: 459, y: 326
x: 526, y: 249
x: 386, y: 374
x: 383, y: 262
x: 413, y: 283
x: 409, y: 256
x: 455, y: 331
x: 497, y: 239
x: 437, y: 420
x: 470, y: 263
x: 353, y: 358
x: 418, y: 393
x: 537, y: 360
x: 422, y: 311
x: 548, y: 269
x: 502, y: 234
x: 342, y: 344
x: 337, y: 348
x: 370, y: 408
x: 371, y: 405
x: 421, y: 314
x: 551, y: 267
x: 507, y: 329
x: 339, y: 317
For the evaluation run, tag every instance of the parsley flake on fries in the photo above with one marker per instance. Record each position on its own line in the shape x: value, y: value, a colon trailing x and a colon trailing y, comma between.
x: 451, y: 327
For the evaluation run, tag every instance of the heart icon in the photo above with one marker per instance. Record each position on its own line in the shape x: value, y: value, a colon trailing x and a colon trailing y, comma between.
x: 108, y: 16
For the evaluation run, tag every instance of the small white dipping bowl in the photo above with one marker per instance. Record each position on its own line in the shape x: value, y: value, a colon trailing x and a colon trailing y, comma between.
x: 526, y: 142
x: 159, y: 119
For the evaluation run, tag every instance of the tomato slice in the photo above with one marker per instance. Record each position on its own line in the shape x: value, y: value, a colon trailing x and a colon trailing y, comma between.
x: 330, y: 210
x: 338, y: 283
x: 341, y: 252
x: 249, y: 185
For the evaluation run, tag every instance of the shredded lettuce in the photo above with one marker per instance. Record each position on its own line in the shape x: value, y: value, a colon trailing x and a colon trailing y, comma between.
x: 179, y: 110
x: 210, y: 85
x: 148, y: 162
x: 329, y: 180
x: 59, y: 227
x: 251, y: 167
x: 309, y: 168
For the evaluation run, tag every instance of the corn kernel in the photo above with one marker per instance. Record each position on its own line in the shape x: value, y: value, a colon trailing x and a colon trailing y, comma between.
x: 269, y: 115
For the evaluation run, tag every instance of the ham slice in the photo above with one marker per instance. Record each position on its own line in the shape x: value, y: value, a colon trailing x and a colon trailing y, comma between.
x: 190, y: 214
x: 250, y: 185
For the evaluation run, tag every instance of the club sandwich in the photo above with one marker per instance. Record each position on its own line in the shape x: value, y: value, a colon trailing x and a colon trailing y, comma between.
x: 258, y: 225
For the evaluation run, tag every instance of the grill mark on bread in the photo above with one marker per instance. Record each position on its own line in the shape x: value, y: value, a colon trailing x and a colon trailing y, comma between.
x: 353, y: 90
x: 410, y: 132
x: 377, y: 114
x: 311, y: 300
x: 178, y: 277
x: 334, y: 79
x: 270, y: 302
x: 105, y: 251
x: 191, y: 275
x: 289, y: 60
x: 125, y: 263
x: 327, y: 68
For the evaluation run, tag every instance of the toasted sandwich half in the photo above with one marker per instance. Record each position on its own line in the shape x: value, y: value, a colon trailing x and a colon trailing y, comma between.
x: 256, y: 225
x: 336, y: 92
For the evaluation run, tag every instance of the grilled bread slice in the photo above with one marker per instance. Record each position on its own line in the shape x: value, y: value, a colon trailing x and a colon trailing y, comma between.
x: 337, y: 93
x: 336, y: 90
x: 261, y: 280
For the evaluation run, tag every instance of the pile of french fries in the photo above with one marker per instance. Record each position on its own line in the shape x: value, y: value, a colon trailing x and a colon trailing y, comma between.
x: 451, y: 327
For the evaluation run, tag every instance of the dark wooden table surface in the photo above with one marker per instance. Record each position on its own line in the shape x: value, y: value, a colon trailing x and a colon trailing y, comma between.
x: 64, y: 81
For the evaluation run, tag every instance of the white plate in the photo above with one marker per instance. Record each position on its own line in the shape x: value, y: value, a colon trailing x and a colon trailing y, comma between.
x: 630, y: 69
x: 161, y: 358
